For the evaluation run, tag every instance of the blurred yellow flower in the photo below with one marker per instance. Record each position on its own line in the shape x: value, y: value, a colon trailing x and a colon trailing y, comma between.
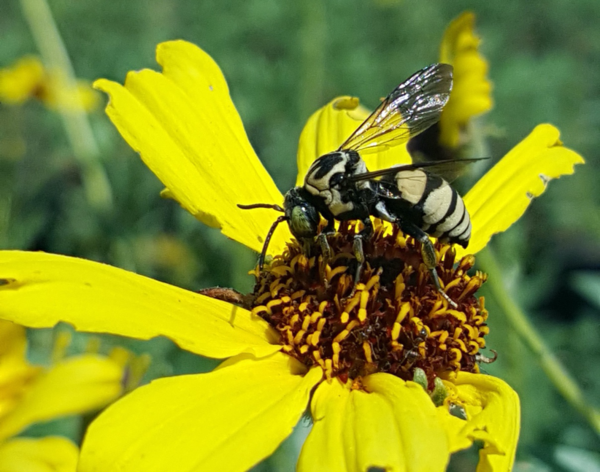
x: 185, y: 127
x: 30, y: 394
x: 28, y: 78
x: 471, y: 94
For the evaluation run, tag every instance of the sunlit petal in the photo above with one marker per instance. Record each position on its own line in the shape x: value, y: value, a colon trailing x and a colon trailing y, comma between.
x: 75, y: 385
x: 50, y: 454
x: 324, y: 449
x: 330, y: 126
x: 424, y: 444
x: 395, y: 427
x: 229, y: 419
x: 185, y: 127
x: 39, y: 290
x: 503, y: 194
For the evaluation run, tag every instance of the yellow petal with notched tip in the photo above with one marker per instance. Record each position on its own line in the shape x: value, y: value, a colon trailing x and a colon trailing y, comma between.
x: 493, y: 417
x: 228, y: 419
x: 471, y: 90
x: 50, y: 454
x: 75, y: 385
x: 185, y: 127
x: 393, y: 427
x: 42, y: 289
x: 330, y: 126
x: 503, y: 194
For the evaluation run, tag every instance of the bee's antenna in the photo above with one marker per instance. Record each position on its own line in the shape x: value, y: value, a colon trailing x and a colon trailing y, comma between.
x: 263, y: 253
x: 261, y: 205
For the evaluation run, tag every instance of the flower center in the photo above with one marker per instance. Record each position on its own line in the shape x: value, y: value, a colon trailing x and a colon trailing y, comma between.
x: 392, y: 320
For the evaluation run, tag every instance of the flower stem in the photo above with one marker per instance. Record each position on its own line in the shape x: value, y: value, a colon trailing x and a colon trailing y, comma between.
x: 553, y: 368
x: 54, y: 54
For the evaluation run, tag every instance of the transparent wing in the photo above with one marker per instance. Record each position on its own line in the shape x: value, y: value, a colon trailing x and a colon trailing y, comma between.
x: 449, y: 167
x: 412, y: 107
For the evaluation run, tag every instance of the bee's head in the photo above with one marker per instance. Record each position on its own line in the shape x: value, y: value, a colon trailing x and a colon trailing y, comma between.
x: 303, y: 218
x: 301, y: 215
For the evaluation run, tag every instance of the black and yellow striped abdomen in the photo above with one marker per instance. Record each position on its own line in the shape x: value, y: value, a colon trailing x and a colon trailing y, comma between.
x: 430, y: 203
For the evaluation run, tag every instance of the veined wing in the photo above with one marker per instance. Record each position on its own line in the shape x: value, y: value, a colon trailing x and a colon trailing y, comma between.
x: 412, y: 107
x: 441, y: 168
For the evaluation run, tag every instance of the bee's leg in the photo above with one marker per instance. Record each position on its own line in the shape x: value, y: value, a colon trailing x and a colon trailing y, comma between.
x: 357, y: 247
x: 428, y: 254
x: 325, y: 249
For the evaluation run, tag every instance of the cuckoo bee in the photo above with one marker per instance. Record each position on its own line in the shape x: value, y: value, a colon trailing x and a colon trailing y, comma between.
x: 338, y: 185
x: 422, y: 204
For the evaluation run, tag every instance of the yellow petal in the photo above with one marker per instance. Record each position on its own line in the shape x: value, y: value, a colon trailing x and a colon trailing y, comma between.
x: 395, y: 427
x: 229, y: 419
x: 494, y: 416
x: 424, y: 442
x: 471, y: 91
x: 44, y: 289
x: 503, y: 194
x: 185, y: 127
x: 330, y: 126
x: 75, y: 385
x: 324, y: 448
x: 50, y: 454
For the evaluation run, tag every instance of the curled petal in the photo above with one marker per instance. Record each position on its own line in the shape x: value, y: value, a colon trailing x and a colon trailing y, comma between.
x: 392, y: 426
x: 228, y: 419
x: 503, y: 194
x: 471, y: 92
x: 330, y: 126
x: 185, y: 127
x: 493, y: 417
x: 49, y: 454
x: 75, y: 385
x: 39, y: 290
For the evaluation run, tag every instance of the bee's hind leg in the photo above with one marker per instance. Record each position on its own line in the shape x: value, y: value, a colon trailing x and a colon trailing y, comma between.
x: 429, y: 256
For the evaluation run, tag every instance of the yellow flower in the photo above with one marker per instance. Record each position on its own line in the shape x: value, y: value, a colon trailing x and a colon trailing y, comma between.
x: 28, y: 78
x: 30, y: 394
x: 471, y: 94
x: 187, y: 130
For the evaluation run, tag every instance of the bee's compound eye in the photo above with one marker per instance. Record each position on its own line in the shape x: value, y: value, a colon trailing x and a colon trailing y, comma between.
x: 304, y: 221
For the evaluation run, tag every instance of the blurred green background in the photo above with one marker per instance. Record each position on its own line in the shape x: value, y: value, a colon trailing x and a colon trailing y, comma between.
x: 283, y: 60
